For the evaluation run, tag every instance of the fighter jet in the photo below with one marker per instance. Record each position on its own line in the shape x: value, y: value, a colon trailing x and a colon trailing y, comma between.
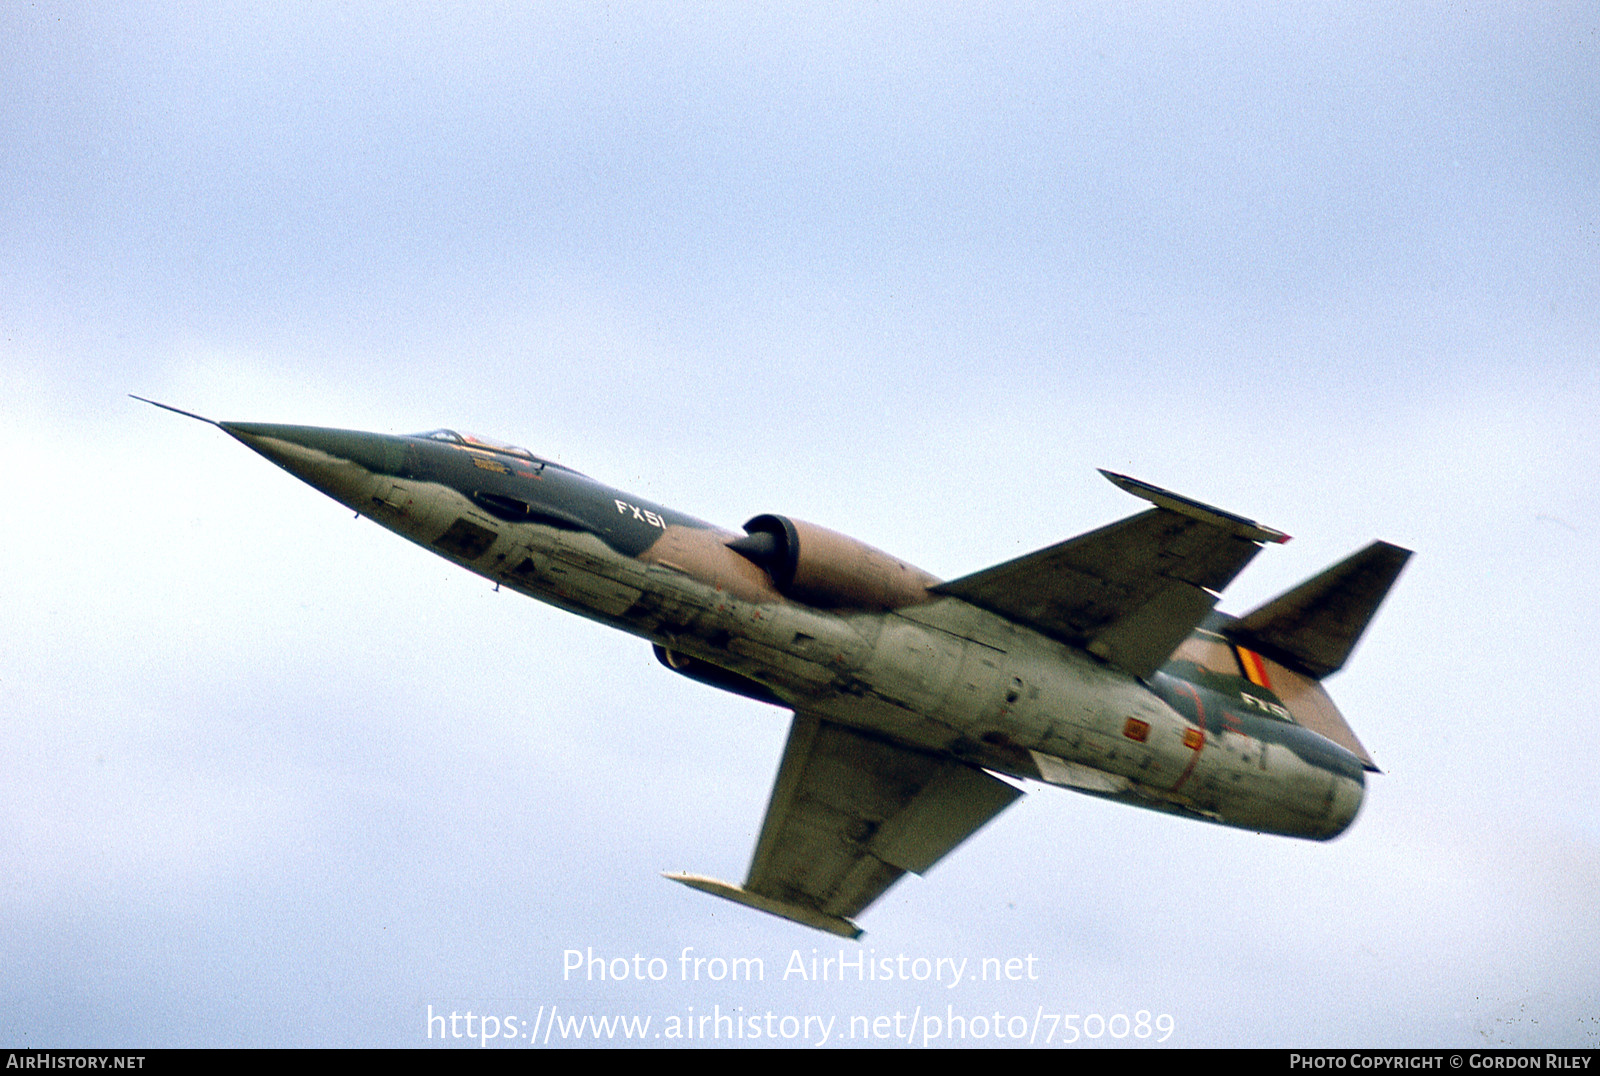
x: 1098, y: 664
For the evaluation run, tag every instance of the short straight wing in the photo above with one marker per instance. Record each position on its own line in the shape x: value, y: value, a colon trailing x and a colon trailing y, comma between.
x: 850, y: 813
x: 1130, y: 592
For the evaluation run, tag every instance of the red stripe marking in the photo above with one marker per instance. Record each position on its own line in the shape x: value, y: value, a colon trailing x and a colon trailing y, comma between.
x: 1200, y: 713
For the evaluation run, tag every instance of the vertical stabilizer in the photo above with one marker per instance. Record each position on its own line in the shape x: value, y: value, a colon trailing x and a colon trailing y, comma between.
x: 1289, y: 644
x: 1313, y: 627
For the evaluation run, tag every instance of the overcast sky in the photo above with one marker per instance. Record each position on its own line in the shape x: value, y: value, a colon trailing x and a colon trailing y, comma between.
x: 272, y: 776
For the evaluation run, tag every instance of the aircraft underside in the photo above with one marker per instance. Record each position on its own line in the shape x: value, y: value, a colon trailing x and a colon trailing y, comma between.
x: 1097, y: 664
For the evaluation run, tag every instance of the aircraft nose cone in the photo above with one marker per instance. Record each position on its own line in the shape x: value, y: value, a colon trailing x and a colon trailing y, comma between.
x: 341, y: 463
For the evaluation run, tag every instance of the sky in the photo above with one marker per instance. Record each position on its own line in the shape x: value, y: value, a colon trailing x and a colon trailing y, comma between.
x: 272, y: 776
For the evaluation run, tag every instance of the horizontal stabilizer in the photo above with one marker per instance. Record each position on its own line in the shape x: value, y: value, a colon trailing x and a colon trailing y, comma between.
x: 1313, y: 627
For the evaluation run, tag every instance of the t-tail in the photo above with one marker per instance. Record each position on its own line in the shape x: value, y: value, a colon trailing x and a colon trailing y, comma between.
x: 1290, y: 644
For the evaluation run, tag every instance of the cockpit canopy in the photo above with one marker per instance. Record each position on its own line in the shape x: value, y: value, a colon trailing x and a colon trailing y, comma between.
x: 472, y: 440
x: 475, y: 442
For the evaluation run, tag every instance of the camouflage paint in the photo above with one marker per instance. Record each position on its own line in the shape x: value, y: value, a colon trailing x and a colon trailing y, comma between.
x: 932, y: 672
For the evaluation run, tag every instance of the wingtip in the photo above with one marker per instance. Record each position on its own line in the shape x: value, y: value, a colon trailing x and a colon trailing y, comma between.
x: 1188, y: 506
x: 795, y: 913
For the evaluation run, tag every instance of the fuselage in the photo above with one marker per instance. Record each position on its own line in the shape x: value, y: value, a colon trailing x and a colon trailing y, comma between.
x: 939, y: 674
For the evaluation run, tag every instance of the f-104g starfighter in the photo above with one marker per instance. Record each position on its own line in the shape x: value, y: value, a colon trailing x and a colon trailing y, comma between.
x: 1098, y: 664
